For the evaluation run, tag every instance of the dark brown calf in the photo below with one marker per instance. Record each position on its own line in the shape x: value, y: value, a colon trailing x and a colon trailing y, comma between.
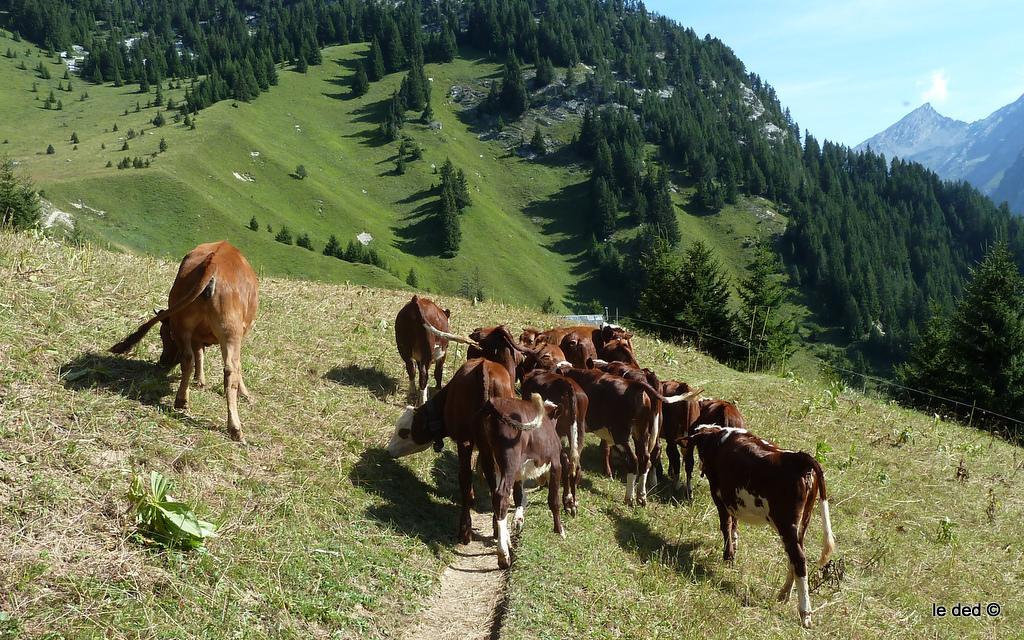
x: 456, y: 412
x: 419, y: 347
x: 213, y: 301
x: 622, y: 410
x: 570, y: 426
x: 755, y: 481
x: 519, y: 443
x: 710, y: 411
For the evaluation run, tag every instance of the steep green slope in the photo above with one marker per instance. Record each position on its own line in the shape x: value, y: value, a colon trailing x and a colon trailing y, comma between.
x: 324, y: 536
x: 522, y: 237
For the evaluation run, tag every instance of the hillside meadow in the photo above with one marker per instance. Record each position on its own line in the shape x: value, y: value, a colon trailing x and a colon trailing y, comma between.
x: 324, y: 536
x: 524, y: 237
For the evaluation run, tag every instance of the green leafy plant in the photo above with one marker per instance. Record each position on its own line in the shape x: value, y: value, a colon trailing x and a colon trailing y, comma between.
x: 162, y: 520
x: 821, y: 451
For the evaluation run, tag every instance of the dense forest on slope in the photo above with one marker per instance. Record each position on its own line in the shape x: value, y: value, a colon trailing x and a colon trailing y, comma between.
x: 870, y: 242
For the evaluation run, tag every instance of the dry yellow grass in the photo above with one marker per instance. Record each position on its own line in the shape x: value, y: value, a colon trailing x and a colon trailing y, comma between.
x: 324, y: 536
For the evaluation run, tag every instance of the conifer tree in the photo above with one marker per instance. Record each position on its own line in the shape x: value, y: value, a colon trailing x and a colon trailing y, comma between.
x: 451, y: 231
x: 537, y: 142
x: 412, y: 279
x: 333, y: 247
x: 514, y: 99
x: 604, y: 206
x: 253, y: 224
x: 375, y: 62
x: 360, y: 82
x: 761, y: 321
x: 19, y: 204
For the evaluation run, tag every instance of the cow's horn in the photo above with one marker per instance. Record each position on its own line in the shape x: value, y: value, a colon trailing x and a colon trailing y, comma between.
x: 449, y: 336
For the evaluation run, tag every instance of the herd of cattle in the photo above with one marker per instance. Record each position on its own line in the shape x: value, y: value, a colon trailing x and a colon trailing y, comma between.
x: 573, y: 380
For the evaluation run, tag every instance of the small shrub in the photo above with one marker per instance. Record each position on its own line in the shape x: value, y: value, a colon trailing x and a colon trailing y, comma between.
x: 304, y: 242
x: 284, y: 236
x: 50, y: 150
x: 300, y: 172
x: 253, y: 225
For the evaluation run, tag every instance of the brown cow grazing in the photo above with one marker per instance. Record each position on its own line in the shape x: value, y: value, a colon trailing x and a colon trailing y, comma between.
x: 608, y: 342
x: 676, y: 421
x: 710, y: 411
x: 544, y: 357
x: 418, y: 347
x: 213, y: 301
x: 454, y: 412
x: 635, y: 374
x: 754, y: 481
x: 570, y: 426
x: 622, y: 410
x: 519, y: 443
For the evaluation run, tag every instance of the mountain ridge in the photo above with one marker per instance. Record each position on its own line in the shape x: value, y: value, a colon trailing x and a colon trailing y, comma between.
x: 979, y: 152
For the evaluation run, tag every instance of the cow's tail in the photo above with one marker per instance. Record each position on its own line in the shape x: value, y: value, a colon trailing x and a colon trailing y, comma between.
x: 204, y: 281
x: 671, y: 399
x: 828, y: 540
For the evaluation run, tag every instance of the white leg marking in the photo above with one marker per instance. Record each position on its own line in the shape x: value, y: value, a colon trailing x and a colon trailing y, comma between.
x: 518, y: 519
x: 805, y: 602
x: 641, y: 488
x: 630, y: 488
x: 503, y: 541
x: 423, y: 396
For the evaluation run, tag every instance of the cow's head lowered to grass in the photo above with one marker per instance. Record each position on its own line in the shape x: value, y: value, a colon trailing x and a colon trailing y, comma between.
x: 416, y: 429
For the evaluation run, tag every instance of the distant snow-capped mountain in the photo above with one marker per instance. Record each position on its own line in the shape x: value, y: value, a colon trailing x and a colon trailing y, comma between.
x: 982, y: 152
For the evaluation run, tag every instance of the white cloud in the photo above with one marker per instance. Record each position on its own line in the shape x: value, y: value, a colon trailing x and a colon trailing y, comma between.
x: 938, y: 87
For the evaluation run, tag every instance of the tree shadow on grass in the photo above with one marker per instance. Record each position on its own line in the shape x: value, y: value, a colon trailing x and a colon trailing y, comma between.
x: 637, y: 537
x: 380, y: 384
x: 421, y: 234
x: 408, y: 504
x: 144, y: 381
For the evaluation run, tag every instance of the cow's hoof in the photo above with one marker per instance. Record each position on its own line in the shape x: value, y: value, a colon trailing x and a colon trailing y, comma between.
x: 236, y: 435
x: 180, y: 404
x: 464, y: 537
x: 561, y: 533
x: 502, y: 562
x: 784, y: 595
x: 642, y: 501
x: 805, y: 620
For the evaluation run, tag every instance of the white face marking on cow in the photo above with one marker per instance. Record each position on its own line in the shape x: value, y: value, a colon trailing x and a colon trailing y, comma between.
x: 630, y: 488
x: 401, y: 443
x: 750, y: 508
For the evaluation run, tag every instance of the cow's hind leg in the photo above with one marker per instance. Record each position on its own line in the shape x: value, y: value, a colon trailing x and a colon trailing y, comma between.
x: 688, y: 460
x: 519, y: 497
x: 200, y: 373
x: 410, y: 370
x: 465, y: 530
x: 553, y: 482
x: 791, y: 540
x: 231, y: 350
x: 187, y: 362
x: 499, y: 503
x: 424, y: 368
x: 633, y: 465
x: 728, y: 526
x: 438, y: 373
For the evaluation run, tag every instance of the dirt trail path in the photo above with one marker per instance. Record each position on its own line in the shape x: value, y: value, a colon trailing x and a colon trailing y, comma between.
x: 472, y: 587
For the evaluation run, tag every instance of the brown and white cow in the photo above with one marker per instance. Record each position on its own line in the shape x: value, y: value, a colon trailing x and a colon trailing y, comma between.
x: 756, y: 482
x: 570, y: 426
x: 543, y: 357
x: 630, y: 372
x: 213, y: 301
x: 418, y: 347
x: 518, y: 442
x: 676, y: 421
x: 709, y: 411
x: 622, y: 410
x: 455, y: 412
x: 608, y: 342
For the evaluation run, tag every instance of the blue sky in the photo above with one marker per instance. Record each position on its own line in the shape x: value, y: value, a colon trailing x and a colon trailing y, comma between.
x: 847, y: 70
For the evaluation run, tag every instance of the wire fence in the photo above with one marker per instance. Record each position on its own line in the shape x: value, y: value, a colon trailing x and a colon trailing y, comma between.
x: 973, y: 407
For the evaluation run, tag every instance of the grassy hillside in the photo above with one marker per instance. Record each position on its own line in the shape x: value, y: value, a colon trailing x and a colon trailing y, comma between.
x: 324, y: 536
x: 522, y: 237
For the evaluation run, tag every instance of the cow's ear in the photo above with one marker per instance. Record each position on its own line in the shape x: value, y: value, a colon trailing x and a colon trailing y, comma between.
x: 448, y: 313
